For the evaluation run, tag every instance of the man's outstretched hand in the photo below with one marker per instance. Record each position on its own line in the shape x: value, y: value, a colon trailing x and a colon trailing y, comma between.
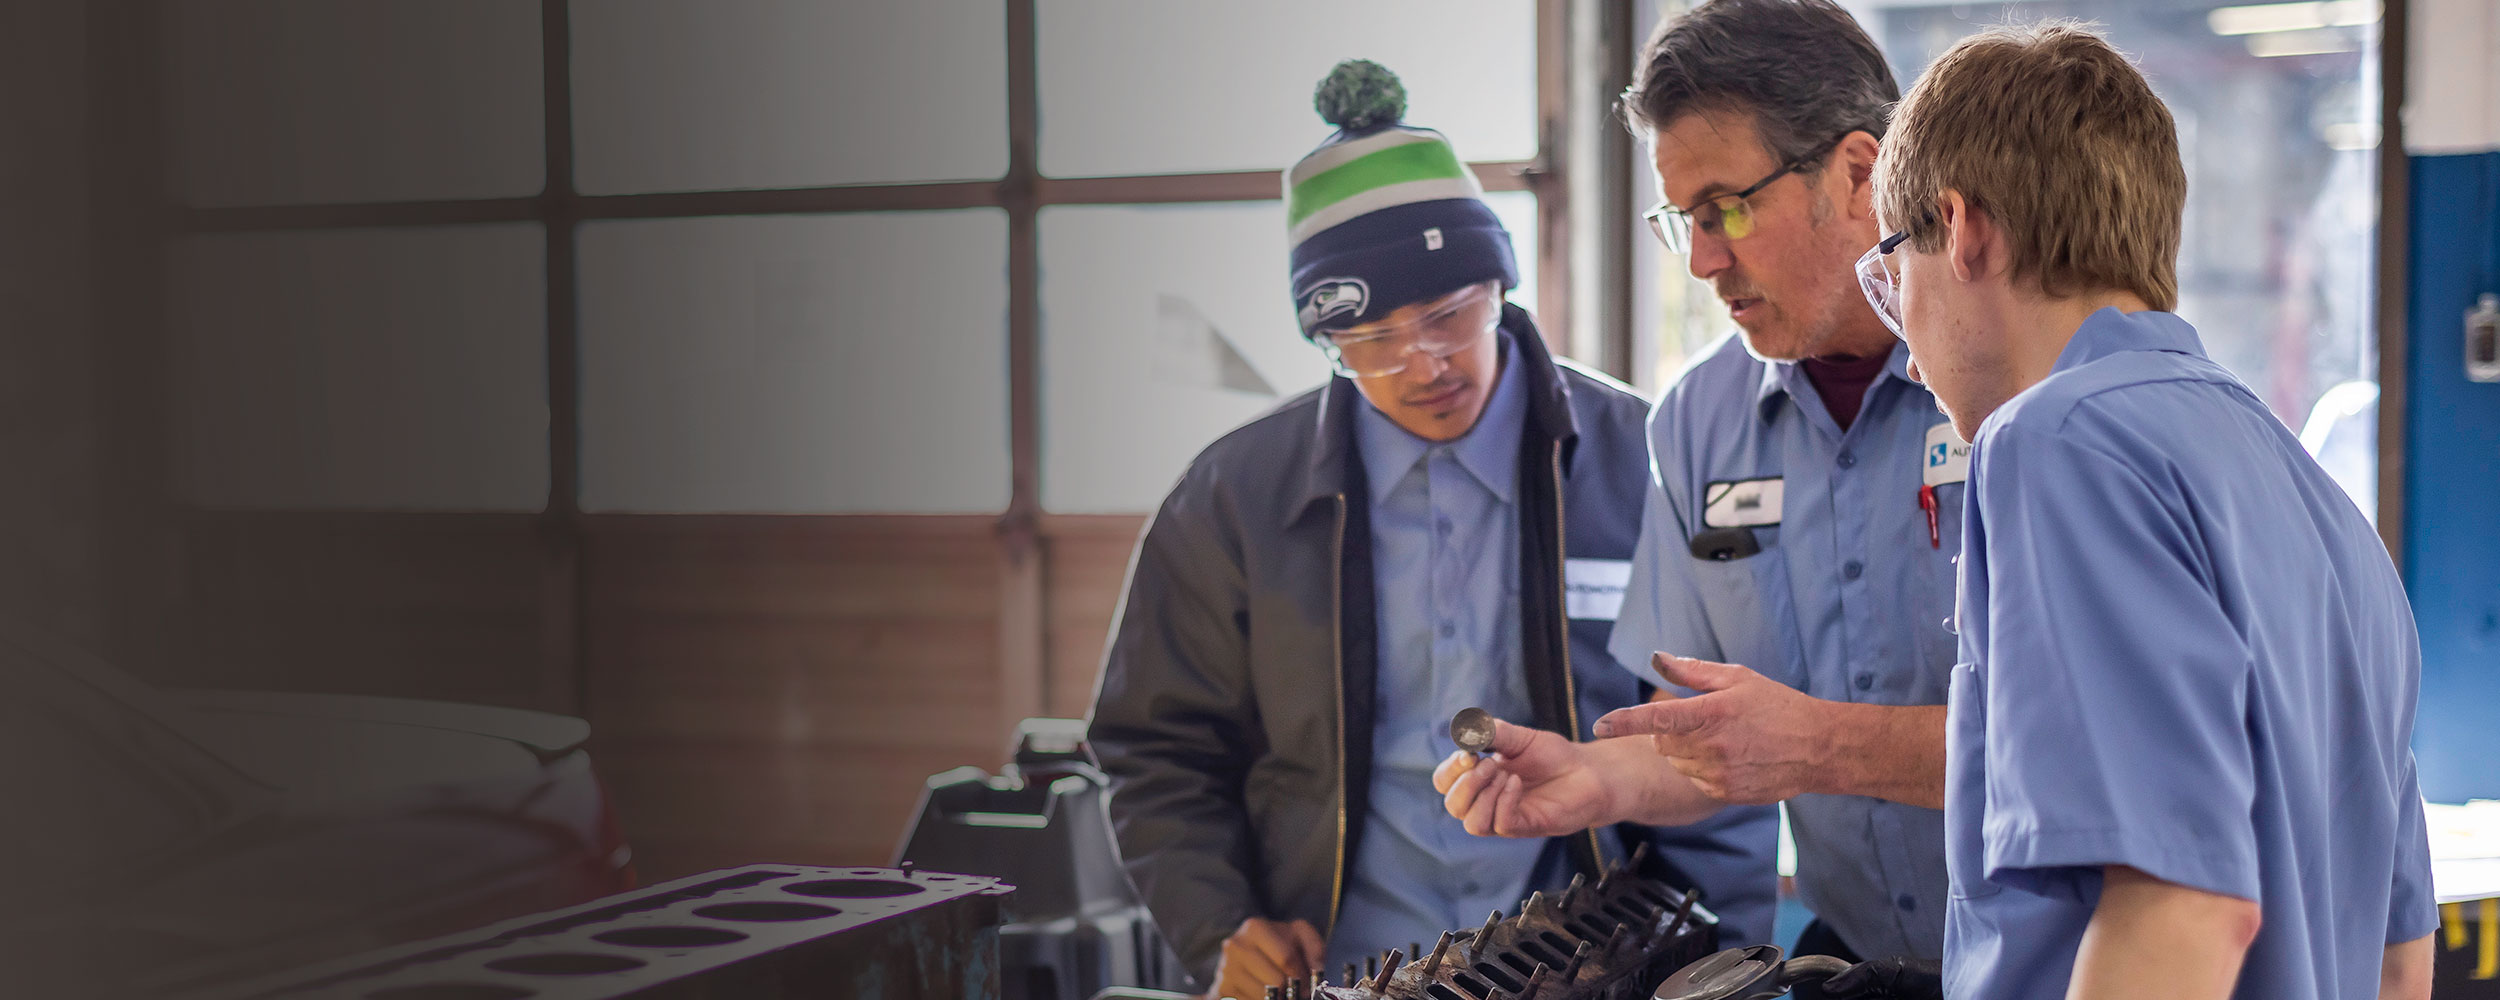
x: 1743, y: 738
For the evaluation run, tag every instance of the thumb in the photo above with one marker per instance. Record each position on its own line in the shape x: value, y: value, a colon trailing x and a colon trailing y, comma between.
x: 1510, y: 740
x: 1699, y: 675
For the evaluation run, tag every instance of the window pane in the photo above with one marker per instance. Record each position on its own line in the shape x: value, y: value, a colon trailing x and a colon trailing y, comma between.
x: 1164, y: 326
x: 804, y: 364
x: 315, y: 101
x: 368, y: 369
x: 685, y: 95
x: 1149, y: 88
x: 2277, y: 131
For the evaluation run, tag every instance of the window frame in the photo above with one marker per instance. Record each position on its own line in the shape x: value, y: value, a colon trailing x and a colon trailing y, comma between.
x: 1024, y: 527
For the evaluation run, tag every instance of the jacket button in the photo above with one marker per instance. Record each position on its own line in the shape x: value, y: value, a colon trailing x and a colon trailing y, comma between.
x: 1848, y: 459
x: 1448, y: 630
x: 1852, y: 569
x: 1906, y: 903
x: 1866, y: 682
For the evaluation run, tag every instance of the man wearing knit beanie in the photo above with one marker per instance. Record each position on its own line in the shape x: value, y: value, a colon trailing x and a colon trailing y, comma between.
x: 1445, y: 524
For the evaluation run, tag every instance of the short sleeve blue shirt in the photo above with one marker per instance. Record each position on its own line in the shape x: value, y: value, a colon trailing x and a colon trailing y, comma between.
x: 2186, y: 652
x: 1845, y: 599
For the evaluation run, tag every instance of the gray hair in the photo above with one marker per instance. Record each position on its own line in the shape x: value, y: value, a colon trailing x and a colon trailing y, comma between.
x: 1804, y: 69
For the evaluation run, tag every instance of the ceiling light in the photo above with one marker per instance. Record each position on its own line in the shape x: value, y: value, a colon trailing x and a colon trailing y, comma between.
x: 2315, y: 41
x: 2270, y: 17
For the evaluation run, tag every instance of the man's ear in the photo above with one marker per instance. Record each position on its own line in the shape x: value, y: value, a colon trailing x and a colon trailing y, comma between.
x: 1971, y: 238
x: 1856, y: 157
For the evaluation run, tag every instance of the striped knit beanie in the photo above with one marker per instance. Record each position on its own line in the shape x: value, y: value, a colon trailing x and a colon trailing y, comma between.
x: 1383, y: 215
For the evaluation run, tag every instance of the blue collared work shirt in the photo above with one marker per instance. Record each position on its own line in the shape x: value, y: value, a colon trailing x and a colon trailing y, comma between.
x: 2187, y: 653
x: 1445, y: 551
x: 1846, y: 600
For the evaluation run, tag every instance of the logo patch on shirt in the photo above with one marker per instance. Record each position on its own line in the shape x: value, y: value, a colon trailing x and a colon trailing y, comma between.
x: 1750, y: 503
x: 1593, y: 588
x: 1329, y: 298
x: 1946, y: 458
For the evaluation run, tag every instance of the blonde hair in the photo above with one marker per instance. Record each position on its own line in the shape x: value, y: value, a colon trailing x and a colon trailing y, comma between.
x: 2059, y: 139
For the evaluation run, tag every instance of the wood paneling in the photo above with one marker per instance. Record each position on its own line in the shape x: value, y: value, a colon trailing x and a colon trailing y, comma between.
x: 779, y: 688
x: 1089, y: 559
x: 760, y: 688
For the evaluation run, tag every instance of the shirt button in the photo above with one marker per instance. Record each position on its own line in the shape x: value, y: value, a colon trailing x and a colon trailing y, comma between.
x: 1448, y: 630
x: 1866, y: 682
x: 1848, y: 460
x: 1852, y: 569
x: 1469, y: 888
x: 1906, y: 903
x: 1444, y: 525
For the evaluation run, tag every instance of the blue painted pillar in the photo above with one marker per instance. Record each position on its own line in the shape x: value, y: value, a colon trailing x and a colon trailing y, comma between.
x: 2452, y: 475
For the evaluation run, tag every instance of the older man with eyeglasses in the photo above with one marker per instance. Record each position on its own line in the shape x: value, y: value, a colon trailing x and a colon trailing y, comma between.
x: 1446, y: 524
x: 1795, y: 577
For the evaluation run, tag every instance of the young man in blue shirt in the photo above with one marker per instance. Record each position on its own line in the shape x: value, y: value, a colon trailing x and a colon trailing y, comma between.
x: 2179, y: 756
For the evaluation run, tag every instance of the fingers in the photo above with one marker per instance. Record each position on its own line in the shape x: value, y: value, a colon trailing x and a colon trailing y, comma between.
x: 1314, y: 950
x: 1457, y: 764
x: 1514, y: 788
x: 1699, y: 675
x: 1460, y: 798
x: 1484, y: 785
x: 1656, y: 718
x: 1261, y: 951
x: 1250, y: 971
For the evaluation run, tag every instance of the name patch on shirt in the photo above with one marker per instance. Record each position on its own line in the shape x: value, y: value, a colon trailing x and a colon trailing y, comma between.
x: 1946, y: 458
x: 1748, y: 504
x: 1593, y: 588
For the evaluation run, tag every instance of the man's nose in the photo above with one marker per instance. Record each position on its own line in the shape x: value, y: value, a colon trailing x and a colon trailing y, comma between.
x: 1422, y: 366
x: 1710, y: 255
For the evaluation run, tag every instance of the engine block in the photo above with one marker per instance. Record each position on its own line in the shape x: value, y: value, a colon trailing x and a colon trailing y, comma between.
x: 1614, y: 939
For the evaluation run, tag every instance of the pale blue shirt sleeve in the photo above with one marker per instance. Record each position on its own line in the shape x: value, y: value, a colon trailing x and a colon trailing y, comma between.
x: 2117, y: 689
x: 2412, y: 910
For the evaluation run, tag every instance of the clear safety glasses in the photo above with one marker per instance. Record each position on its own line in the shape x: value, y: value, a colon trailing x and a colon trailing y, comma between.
x: 1879, y: 276
x: 1450, y: 324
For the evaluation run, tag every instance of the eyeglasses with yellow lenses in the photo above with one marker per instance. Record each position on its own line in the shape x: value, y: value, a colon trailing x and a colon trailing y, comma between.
x: 1728, y: 216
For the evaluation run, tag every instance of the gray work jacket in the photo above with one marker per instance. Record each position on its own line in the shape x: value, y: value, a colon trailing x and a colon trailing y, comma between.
x: 1234, y: 712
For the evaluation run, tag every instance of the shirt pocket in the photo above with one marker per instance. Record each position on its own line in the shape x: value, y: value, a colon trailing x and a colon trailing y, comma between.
x: 1741, y: 597
x: 1966, y: 784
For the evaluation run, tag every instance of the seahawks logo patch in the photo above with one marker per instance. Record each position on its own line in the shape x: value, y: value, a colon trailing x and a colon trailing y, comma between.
x: 1331, y: 298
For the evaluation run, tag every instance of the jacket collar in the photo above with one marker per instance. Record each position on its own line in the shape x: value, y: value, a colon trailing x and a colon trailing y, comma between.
x: 1549, y: 416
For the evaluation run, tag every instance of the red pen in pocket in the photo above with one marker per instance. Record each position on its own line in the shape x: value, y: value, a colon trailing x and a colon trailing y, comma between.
x: 1927, y: 502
